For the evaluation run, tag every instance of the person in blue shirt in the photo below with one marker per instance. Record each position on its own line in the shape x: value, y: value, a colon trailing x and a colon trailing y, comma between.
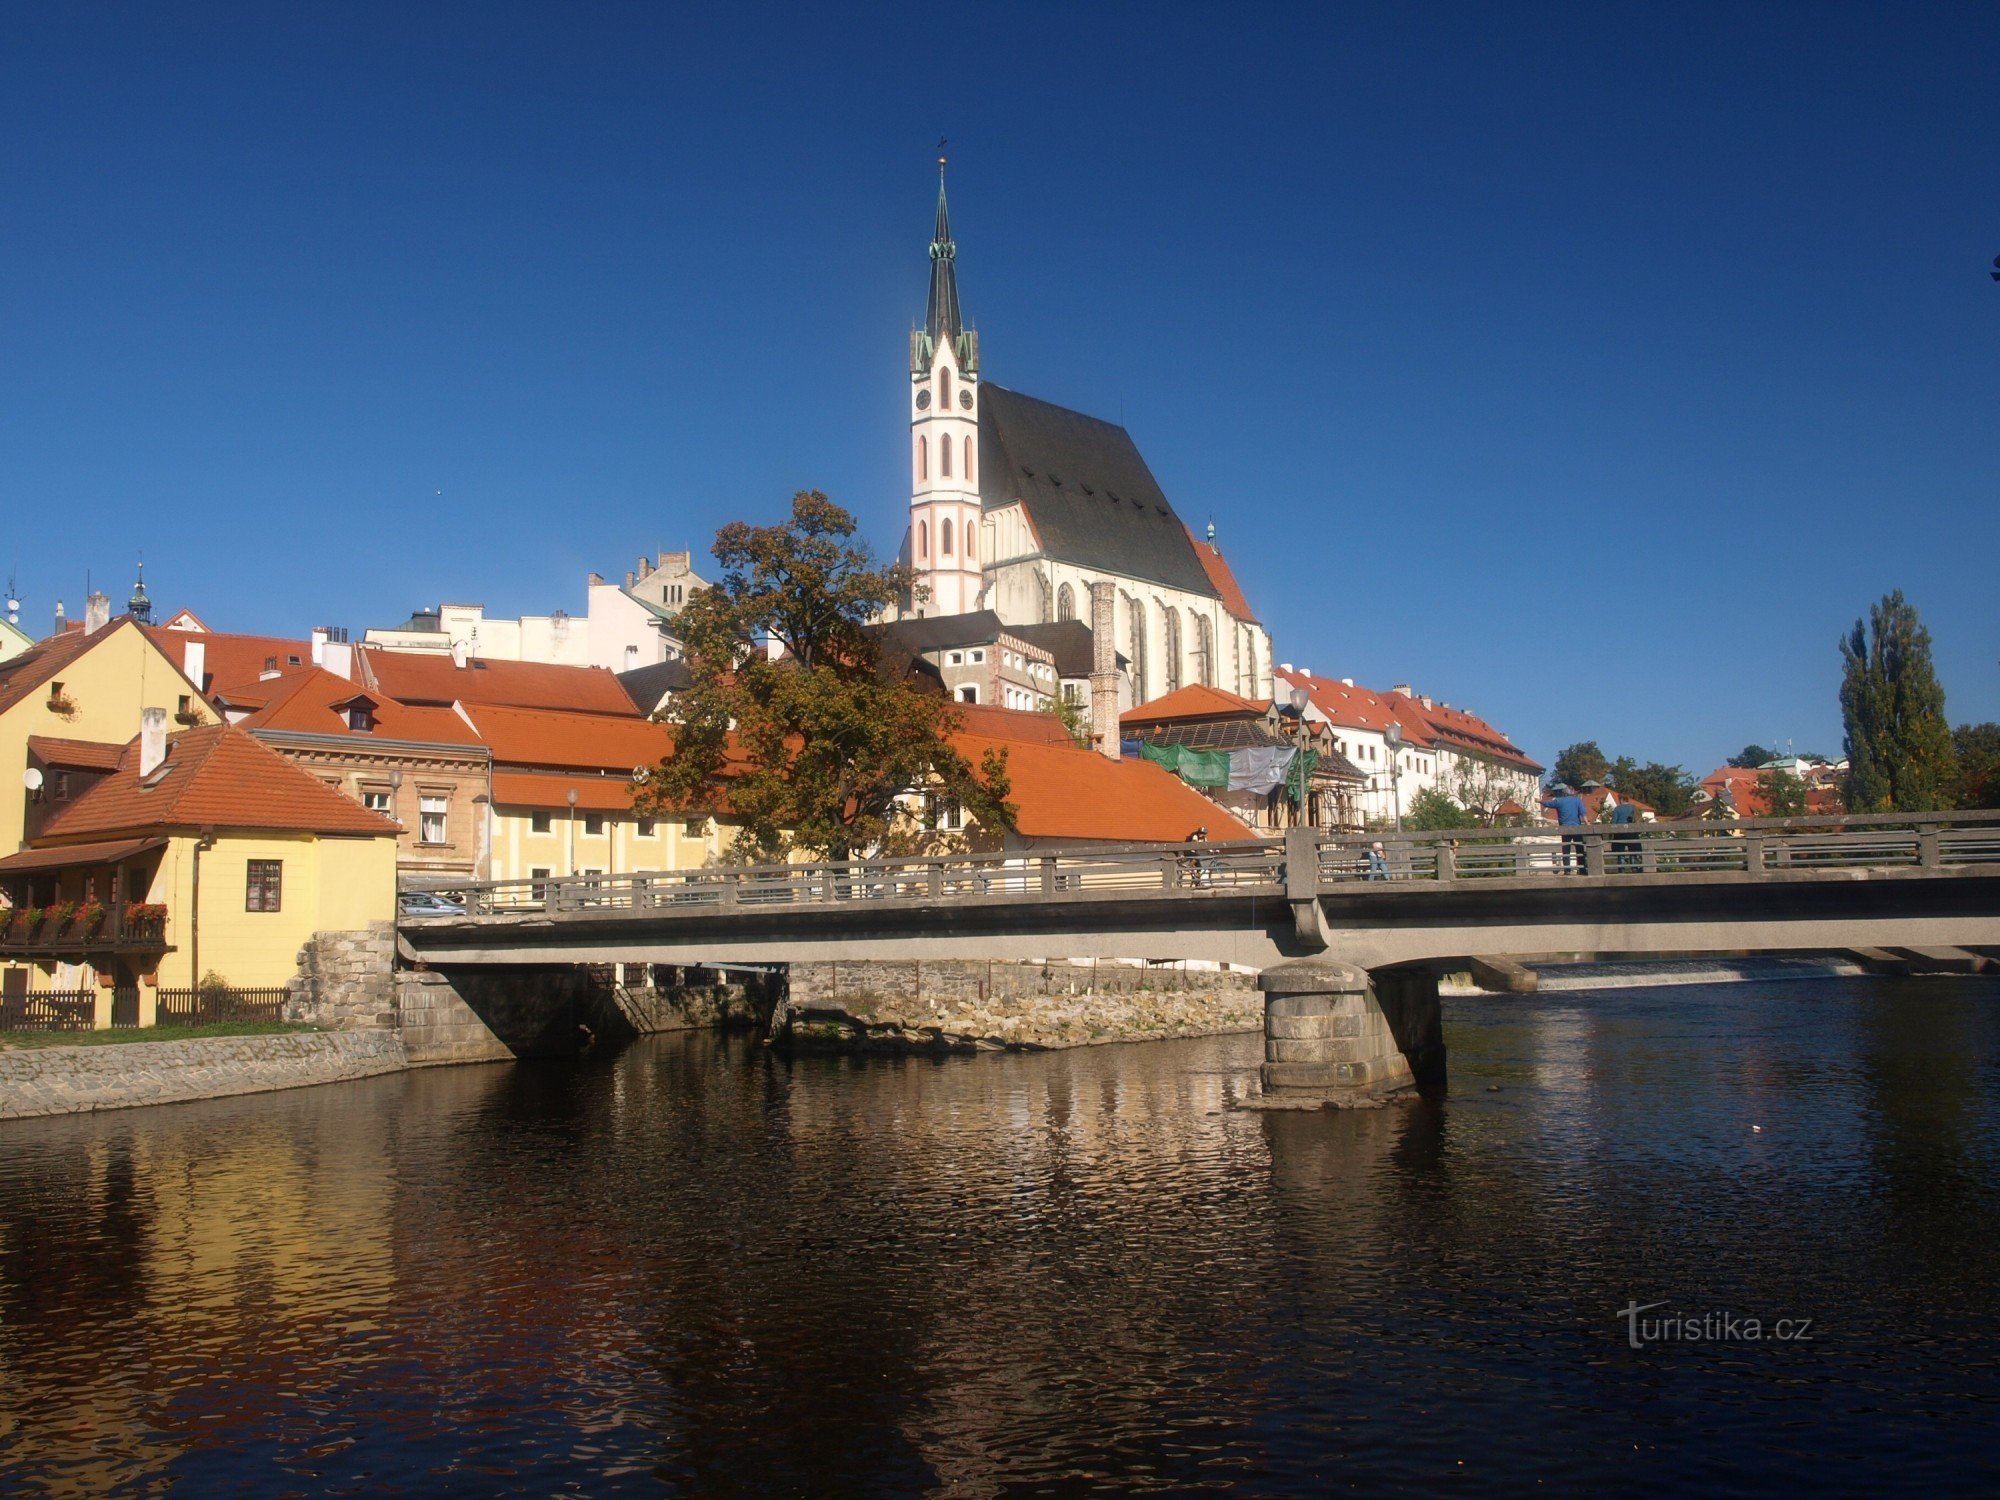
x: 1569, y: 811
x: 1624, y: 851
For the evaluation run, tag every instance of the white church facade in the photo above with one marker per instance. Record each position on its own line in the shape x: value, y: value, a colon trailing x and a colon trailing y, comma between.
x: 1019, y: 506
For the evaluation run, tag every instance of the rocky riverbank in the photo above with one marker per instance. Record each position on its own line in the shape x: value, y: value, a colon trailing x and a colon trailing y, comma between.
x: 972, y: 1007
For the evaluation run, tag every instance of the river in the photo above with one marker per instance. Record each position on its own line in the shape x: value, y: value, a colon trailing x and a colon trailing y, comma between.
x: 692, y: 1268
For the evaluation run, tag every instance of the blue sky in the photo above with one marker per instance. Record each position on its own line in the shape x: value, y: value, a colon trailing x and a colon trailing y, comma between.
x: 1590, y: 367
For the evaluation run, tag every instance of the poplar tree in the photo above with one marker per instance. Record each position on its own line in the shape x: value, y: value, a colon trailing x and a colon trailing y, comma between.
x: 1899, y: 747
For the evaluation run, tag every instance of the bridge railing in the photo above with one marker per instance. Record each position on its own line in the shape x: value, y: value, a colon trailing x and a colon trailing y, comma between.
x: 1753, y: 846
x: 1186, y: 868
x: 1766, y: 847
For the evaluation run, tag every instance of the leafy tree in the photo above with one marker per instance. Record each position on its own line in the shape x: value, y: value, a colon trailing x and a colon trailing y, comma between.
x: 1899, y: 747
x: 1075, y: 718
x: 812, y: 749
x: 1978, y: 747
x: 1751, y: 756
x: 1431, y: 810
x: 1581, y: 762
x: 1784, y: 794
x: 1667, y: 789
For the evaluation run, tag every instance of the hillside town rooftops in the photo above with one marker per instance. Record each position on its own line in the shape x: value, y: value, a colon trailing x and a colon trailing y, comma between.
x: 315, y: 701
x: 1065, y: 792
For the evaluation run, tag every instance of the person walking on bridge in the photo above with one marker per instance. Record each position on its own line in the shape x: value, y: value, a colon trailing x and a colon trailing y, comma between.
x: 1569, y: 811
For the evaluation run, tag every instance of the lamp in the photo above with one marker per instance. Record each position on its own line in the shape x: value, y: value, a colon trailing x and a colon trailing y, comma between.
x: 1392, y: 736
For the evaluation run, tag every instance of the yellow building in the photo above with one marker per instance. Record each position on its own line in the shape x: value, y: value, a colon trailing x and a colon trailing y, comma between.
x: 203, y: 853
x: 81, y: 685
x: 562, y: 797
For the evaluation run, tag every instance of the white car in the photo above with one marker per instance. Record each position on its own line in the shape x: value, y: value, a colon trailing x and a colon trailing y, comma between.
x: 424, y: 904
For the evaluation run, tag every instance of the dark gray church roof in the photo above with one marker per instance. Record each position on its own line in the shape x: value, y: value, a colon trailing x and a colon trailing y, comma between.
x: 1068, y: 641
x: 1090, y: 495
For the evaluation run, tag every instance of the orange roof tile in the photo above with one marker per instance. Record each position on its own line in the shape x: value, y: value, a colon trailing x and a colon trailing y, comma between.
x: 569, y: 741
x: 230, y: 661
x: 1195, y: 701
x: 546, y: 791
x: 314, y: 702
x: 1220, y: 576
x: 1064, y: 792
x: 213, y: 777
x: 413, y: 677
x: 1360, y: 707
x: 1015, y: 725
x: 79, y: 755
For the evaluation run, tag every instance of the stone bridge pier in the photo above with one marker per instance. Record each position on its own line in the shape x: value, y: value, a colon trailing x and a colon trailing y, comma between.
x: 1336, y: 1034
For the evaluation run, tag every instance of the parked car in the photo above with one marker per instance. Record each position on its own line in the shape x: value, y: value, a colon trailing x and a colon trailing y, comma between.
x: 424, y: 904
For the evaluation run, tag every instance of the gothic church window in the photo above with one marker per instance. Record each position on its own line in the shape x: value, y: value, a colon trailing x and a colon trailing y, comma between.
x: 944, y: 538
x: 944, y: 458
x: 923, y: 539
x: 1065, y: 603
x: 944, y: 388
x: 967, y: 468
x: 1170, y: 632
x: 923, y: 459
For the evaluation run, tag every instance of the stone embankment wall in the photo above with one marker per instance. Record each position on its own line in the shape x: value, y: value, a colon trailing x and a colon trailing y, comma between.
x: 346, y: 980
x: 962, y: 1006
x: 75, y: 1080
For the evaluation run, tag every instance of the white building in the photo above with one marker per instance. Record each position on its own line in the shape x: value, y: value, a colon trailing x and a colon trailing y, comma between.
x: 626, y: 626
x: 1018, y: 506
x: 1437, y: 746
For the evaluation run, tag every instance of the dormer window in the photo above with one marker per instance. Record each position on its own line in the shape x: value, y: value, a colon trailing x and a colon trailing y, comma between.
x: 361, y: 719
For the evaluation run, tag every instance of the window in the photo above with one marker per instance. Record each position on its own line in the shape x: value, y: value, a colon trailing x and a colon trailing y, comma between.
x: 944, y: 391
x: 944, y: 458
x: 968, y: 461
x: 538, y: 822
x: 923, y: 459
x: 431, y: 819
x: 968, y: 694
x: 593, y: 825
x: 1065, y: 603
x: 645, y: 828
x: 631, y: 657
x: 540, y: 876
x: 976, y: 656
x: 943, y: 812
x: 61, y: 786
x: 376, y: 802
x: 361, y: 719
x: 264, y: 885
x: 944, y: 537
x: 923, y: 539
x: 695, y: 828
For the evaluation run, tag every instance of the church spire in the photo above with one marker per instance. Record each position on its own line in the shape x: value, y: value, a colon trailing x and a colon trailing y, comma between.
x: 941, y: 316
x: 944, y: 322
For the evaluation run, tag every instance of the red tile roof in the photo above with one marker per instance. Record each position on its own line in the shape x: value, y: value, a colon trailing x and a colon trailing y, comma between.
x: 21, y: 676
x: 213, y: 777
x: 547, y: 791
x: 75, y: 755
x: 230, y: 661
x: 1015, y: 725
x: 1223, y: 580
x: 1063, y: 792
x: 1195, y: 701
x: 414, y: 677
x: 569, y: 741
x: 306, y: 703
x: 1426, y: 728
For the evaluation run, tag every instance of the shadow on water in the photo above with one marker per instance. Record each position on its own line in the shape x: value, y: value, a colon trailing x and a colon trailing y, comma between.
x: 693, y: 1268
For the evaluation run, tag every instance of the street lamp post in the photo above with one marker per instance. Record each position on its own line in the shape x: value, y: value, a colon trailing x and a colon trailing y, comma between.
x: 1393, y: 738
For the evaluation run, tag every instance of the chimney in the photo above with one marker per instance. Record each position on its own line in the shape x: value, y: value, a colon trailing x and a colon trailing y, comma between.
x: 1401, y: 687
x: 194, y: 662
x: 340, y: 658
x: 1426, y: 701
x: 152, y: 740
x: 319, y: 638
x: 1347, y: 682
x: 96, y: 612
x: 62, y: 620
x: 1284, y: 666
x: 628, y: 578
x: 1103, y: 670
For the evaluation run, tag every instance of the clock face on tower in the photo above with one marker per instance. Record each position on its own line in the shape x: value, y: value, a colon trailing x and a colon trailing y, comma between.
x: 924, y: 399
x: 965, y: 398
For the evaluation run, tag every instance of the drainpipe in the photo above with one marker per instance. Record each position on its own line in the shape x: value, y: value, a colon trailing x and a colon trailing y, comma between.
x: 206, y: 841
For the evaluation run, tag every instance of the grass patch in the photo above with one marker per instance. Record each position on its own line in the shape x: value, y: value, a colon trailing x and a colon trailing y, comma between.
x: 119, y: 1036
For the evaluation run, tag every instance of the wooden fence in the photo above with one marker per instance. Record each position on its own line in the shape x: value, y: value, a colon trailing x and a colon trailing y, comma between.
x: 202, y: 1007
x: 49, y: 1010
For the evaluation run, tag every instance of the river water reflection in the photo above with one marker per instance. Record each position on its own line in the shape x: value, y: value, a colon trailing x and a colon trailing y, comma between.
x: 695, y: 1269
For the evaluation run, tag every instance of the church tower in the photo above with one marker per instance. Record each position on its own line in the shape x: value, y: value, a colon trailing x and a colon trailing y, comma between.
x: 945, y: 536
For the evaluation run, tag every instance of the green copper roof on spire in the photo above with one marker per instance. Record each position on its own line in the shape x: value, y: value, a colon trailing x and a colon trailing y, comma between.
x: 942, y: 320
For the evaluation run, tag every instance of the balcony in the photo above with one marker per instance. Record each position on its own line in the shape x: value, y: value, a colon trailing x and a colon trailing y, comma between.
x: 78, y: 931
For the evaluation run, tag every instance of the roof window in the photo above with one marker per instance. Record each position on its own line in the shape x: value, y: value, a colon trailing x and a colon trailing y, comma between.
x: 158, y: 776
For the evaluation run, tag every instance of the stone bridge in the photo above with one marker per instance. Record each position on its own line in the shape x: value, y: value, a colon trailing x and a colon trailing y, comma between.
x: 1364, y: 925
